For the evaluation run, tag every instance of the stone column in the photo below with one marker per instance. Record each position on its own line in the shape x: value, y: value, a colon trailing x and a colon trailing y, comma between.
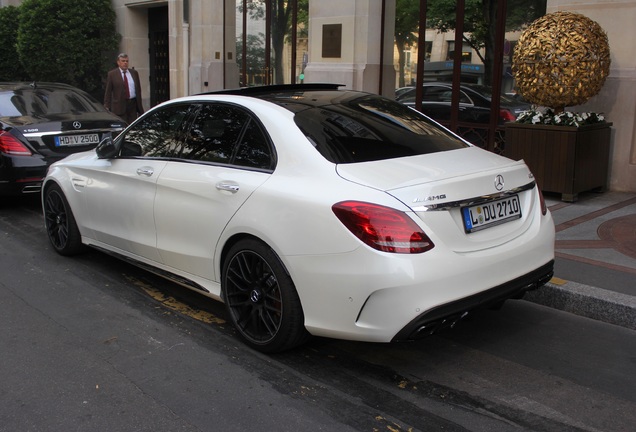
x: 345, y: 44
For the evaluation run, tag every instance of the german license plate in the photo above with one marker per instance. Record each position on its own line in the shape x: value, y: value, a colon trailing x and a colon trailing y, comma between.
x: 76, y: 140
x: 492, y: 213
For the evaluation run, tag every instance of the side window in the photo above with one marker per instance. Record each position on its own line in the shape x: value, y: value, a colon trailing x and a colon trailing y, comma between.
x: 463, y: 98
x: 214, y: 134
x: 437, y: 94
x: 443, y: 94
x: 158, y: 134
x: 408, y: 96
x: 254, y: 150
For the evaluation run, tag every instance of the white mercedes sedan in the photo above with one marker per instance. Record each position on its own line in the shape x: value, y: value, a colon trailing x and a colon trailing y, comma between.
x: 308, y: 210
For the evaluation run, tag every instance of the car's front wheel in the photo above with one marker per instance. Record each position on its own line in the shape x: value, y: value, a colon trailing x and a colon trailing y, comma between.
x: 261, y: 298
x: 61, y: 227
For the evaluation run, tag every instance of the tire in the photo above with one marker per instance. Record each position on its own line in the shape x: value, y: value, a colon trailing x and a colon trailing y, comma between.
x: 261, y: 299
x: 61, y: 227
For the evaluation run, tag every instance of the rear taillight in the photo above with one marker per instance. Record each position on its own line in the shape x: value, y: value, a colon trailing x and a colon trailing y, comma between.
x: 544, y: 207
x: 12, y: 146
x: 382, y: 228
x: 506, y: 115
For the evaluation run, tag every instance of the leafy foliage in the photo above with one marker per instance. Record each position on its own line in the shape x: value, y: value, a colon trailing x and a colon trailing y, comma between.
x: 479, y: 21
x: 70, y: 41
x: 281, y: 13
x: 441, y: 15
x: 10, y: 67
x: 562, y: 59
x: 255, y: 52
x: 407, y: 20
x: 565, y: 118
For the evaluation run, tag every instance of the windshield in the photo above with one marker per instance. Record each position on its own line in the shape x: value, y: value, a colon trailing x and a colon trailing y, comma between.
x: 369, y: 128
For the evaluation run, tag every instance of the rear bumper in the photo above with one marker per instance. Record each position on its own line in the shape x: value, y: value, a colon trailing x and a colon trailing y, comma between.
x: 20, y: 188
x: 370, y: 296
x: 20, y: 175
x: 447, y: 315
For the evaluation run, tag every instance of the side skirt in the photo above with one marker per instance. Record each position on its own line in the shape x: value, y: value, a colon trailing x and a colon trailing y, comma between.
x: 152, y: 269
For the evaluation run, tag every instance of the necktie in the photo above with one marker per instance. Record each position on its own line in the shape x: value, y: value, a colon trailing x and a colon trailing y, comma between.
x: 126, y: 84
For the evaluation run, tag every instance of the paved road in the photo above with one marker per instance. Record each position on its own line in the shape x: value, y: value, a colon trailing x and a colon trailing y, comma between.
x: 91, y: 343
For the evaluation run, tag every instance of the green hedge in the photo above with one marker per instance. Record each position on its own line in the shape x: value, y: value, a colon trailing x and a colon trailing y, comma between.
x: 10, y: 67
x: 69, y: 41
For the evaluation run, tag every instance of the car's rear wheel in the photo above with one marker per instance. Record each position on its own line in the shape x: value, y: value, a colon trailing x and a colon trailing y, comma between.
x: 261, y: 298
x: 60, y: 222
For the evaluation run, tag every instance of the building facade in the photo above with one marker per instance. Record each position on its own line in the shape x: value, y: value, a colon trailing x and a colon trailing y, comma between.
x: 183, y: 47
x: 617, y: 99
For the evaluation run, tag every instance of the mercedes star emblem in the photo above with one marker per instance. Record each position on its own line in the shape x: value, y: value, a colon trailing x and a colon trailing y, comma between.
x: 77, y: 125
x: 499, y: 182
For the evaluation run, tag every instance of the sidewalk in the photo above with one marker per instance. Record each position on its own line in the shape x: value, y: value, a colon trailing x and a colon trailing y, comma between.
x: 595, y: 269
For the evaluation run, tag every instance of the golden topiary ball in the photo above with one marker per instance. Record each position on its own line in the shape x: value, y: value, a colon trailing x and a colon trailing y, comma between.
x: 562, y: 59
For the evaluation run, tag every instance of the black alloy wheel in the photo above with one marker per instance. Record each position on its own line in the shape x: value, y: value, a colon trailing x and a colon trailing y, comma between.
x: 61, y: 227
x: 261, y: 298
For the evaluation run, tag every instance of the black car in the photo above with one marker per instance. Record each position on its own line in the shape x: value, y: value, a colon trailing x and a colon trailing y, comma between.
x: 41, y: 123
x: 474, y: 103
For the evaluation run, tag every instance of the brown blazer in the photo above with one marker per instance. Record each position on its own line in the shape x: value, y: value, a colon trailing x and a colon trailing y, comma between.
x: 115, y: 94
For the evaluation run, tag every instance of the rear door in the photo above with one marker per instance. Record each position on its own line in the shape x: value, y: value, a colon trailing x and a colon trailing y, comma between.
x: 436, y: 102
x: 225, y: 157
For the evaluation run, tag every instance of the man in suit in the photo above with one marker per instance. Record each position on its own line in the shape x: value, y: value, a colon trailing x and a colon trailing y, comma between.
x: 123, y: 91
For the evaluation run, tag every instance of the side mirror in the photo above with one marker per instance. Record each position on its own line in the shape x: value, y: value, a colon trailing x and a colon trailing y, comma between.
x: 106, y: 148
x: 130, y: 149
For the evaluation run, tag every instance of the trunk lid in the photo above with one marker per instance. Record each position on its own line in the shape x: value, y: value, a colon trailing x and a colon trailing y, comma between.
x: 436, y: 187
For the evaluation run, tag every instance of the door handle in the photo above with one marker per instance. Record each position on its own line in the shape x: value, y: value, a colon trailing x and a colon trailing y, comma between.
x: 145, y: 171
x: 228, y: 186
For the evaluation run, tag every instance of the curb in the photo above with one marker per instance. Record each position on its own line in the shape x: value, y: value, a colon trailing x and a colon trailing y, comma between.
x: 590, y: 302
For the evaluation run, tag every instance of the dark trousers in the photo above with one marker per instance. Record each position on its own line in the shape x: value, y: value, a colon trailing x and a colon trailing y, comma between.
x: 131, y: 110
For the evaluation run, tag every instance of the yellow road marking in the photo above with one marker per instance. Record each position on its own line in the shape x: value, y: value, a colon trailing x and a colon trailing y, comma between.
x: 175, y: 305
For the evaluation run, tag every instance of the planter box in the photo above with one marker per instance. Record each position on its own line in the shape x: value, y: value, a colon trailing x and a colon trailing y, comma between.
x: 564, y: 159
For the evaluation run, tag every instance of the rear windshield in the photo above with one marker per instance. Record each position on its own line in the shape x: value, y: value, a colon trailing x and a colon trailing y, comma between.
x: 370, y: 128
x: 42, y: 102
